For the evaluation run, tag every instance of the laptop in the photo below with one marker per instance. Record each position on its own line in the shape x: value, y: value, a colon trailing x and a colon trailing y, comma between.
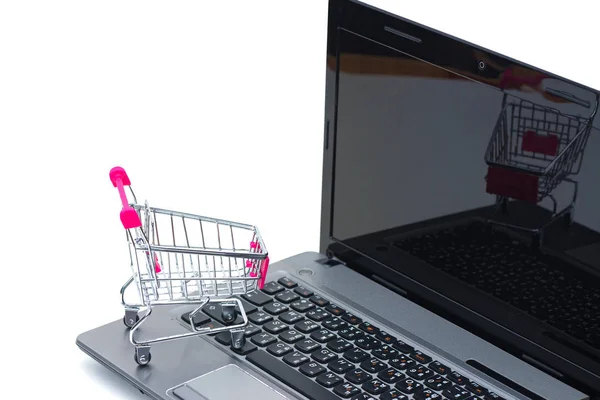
x: 460, y: 241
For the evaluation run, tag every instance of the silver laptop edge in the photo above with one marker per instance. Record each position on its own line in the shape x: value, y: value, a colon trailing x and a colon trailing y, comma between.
x: 180, y: 361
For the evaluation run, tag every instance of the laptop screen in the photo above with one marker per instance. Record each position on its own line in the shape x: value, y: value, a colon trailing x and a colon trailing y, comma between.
x: 437, y: 167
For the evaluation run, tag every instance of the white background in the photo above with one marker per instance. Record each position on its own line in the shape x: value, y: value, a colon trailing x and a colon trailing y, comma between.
x: 212, y: 107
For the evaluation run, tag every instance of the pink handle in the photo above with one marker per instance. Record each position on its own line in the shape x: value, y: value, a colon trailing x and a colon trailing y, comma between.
x: 129, y: 217
x: 510, y: 80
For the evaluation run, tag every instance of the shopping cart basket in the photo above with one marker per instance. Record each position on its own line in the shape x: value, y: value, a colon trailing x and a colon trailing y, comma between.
x: 181, y: 258
x: 533, y: 149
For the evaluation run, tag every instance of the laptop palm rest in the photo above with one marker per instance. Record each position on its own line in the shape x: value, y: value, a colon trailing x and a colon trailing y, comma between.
x: 226, y: 383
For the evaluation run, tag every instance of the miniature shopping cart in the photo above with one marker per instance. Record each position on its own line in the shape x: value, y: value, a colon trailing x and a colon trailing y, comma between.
x: 181, y: 258
x: 533, y: 150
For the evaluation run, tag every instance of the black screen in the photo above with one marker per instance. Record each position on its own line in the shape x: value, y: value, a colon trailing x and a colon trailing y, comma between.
x: 435, y: 167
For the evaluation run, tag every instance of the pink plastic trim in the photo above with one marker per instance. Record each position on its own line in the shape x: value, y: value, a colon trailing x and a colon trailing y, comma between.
x: 129, y: 218
x: 263, y: 273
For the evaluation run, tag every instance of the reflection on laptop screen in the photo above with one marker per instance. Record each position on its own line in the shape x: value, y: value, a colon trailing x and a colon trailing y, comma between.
x: 486, y: 185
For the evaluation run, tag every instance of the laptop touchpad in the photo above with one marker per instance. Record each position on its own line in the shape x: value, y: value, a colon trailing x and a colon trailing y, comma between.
x: 229, y: 382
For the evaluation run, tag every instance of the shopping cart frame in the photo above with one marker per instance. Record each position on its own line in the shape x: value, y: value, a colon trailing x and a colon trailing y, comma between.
x: 146, y: 259
x: 560, y: 168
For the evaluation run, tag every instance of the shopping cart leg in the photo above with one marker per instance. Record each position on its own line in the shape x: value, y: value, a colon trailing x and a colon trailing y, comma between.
x: 237, y: 338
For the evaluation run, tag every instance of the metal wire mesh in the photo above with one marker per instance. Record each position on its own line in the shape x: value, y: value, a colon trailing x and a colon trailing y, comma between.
x: 507, y: 148
x: 197, y: 256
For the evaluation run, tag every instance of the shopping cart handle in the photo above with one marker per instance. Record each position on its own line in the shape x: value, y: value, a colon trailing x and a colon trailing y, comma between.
x: 129, y: 217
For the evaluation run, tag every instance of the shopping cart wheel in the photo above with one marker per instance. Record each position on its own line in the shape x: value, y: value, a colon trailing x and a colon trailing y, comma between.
x: 228, y: 313
x: 142, y: 356
x: 131, y: 318
x: 237, y: 338
x: 568, y: 219
x: 503, y: 205
x: 536, y: 241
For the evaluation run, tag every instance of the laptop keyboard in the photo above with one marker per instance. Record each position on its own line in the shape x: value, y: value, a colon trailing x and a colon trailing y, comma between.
x: 541, y: 285
x: 326, y: 353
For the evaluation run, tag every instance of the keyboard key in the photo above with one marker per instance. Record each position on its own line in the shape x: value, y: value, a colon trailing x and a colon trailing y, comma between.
x: 357, y: 376
x: 390, y: 375
x: 275, y: 308
x: 428, y: 394
x: 289, y: 376
x: 367, y: 327
x: 346, y: 390
x: 306, y: 326
x: 334, y: 324
x: 287, y: 297
x: 476, y: 388
x: 402, y: 362
x: 419, y: 372
x: 367, y: 343
x: 439, y: 368
x: 250, y: 330
x: 304, y: 292
x: 350, y: 333
x: 420, y: 357
x: 335, y: 309
x: 263, y: 339
x: 376, y: 386
x: 329, y: 379
x: 386, y: 337
x: 363, y: 396
x: 385, y: 352
x: 307, y: 345
x: 438, y: 383
x: 224, y: 338
x: 351, y: 319
x: 257, y: 298
x: 340, y: 366
x: 324, y: 356
x: 311, y: 369
x: 273, y: 288
x: 291, y: 336
x: 295, y: 359
x: 393, y: 395
x: 372, y: 365
x: 492, y: 396
x: 291, y: 317
x: 457, y: 378
x: 248, y: 308
x: 259, y: 318
x: 210, y: 325
x: 317, y: 315
x: 403, y: 347
x: 199, y: 318
x: 275, y: 327
x: 302, y: 305
x: 409, y: 386
x: 456, y: 393
x: 356, y: 355
x: 279, y: 349
x: 320, y: 301
x: 287, y: 282
x: 339, y: 345
x: 322, y: 336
